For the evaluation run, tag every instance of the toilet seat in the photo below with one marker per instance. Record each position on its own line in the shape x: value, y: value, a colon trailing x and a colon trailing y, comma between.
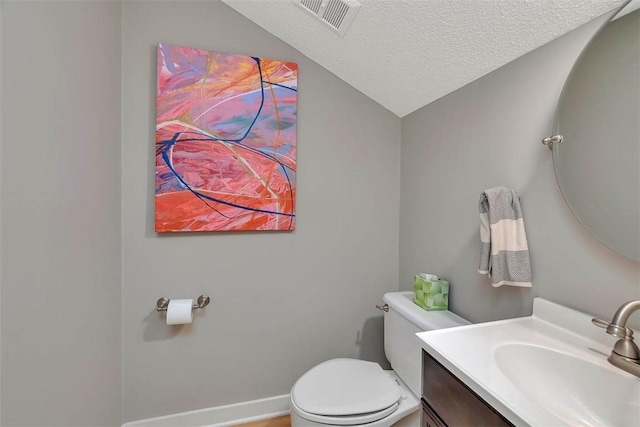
x: 345, y: 392
x: 346, y: 420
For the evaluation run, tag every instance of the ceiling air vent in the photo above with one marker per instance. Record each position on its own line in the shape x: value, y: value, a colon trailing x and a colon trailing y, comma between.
x: 337, y: 14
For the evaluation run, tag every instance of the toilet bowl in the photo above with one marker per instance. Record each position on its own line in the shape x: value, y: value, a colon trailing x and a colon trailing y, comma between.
x: 351, y: 392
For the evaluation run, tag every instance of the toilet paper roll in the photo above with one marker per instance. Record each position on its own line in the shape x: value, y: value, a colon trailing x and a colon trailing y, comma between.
x: 180, y: 312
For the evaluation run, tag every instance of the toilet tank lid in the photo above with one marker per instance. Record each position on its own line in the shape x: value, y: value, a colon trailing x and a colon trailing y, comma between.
x: 402, y: 302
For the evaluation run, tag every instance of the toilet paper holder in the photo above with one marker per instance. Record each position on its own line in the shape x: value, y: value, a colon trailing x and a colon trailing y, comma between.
x: 201, y: 302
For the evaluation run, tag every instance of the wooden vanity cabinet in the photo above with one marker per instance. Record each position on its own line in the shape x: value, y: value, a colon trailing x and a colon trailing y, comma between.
x: 447, y: 401
x: 428, y: 418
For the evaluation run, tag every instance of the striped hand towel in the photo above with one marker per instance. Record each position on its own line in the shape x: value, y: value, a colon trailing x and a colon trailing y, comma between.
x: 504, y: 254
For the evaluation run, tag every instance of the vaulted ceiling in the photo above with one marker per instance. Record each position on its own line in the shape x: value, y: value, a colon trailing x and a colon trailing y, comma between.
x: 405, y: 54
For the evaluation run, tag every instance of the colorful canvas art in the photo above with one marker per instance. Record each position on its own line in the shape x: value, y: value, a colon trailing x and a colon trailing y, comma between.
x: 225, y: 141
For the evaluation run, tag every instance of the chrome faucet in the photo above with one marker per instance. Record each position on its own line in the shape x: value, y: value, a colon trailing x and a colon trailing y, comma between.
x: 625, y: 354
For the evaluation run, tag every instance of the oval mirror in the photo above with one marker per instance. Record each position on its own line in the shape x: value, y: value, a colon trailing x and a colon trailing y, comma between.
x: 597, y: 164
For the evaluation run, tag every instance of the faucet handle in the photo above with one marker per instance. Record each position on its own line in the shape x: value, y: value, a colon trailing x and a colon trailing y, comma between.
x: 613, y: 329
x: 600, y: 323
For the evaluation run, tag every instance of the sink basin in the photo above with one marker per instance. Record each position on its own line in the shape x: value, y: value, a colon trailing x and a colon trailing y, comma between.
x: 547, y: 369
x: 574, y: 390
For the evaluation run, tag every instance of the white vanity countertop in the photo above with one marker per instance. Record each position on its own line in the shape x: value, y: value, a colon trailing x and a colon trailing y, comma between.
x: 469, y: 352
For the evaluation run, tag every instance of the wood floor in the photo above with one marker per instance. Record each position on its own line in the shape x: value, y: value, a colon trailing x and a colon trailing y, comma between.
x: 271, y: 422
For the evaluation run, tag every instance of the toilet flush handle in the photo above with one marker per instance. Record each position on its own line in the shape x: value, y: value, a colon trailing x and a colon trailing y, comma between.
x: 383, y: 307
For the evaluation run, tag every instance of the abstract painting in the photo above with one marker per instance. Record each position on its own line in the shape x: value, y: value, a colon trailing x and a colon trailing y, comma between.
x: 225, y: 141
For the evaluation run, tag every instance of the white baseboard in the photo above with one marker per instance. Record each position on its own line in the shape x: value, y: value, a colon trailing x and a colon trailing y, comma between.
x: 222, y: 416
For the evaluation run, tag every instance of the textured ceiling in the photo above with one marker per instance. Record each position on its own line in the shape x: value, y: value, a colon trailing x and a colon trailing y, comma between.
x: 405, y: 54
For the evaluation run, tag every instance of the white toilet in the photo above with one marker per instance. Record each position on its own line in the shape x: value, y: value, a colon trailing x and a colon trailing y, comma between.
x: 351, y: 392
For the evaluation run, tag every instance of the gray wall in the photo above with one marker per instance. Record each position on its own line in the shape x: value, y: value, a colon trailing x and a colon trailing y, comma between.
x: 488, y: 134
x: 60, y: 211
x: 281, y: 302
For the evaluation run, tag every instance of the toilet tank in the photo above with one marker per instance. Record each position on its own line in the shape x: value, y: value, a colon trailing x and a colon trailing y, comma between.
x: 401, y: 324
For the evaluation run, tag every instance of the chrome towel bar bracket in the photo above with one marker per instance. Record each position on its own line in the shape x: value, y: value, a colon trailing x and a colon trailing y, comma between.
x: 163, y: 303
